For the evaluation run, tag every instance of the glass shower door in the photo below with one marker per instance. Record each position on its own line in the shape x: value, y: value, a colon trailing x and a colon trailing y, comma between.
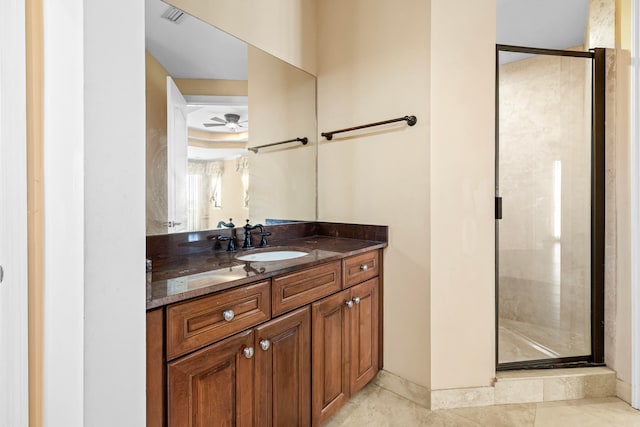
x: 544, y: 183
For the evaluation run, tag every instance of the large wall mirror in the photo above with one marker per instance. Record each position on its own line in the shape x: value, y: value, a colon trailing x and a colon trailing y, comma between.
x: 211, y: 100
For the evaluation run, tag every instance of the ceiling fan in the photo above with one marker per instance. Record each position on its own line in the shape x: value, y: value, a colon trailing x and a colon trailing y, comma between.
x: 231, y: 121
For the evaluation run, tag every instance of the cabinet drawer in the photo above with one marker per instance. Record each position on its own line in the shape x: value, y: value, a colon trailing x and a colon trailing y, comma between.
x: 196, y: 323
x: 297, y: 289
x: 358, y: 268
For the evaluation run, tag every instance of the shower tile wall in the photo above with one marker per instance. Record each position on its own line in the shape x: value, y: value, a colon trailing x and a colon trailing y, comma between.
x: 544, y: 255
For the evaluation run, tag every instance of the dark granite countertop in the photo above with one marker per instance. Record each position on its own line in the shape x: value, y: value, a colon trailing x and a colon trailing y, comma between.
x: 195, y: 274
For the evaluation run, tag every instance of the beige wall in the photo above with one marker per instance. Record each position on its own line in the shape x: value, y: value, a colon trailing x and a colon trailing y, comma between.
x: 212, y: 87
x: 431, y: 183
x: 156, y: 145
x: 462, y: 188
x: 618, y: 220
x: 609, y: 26
x: 284, y: 28
x: 373, y: 64
x: 282, y: 107
x: 601, y: 21
x: 623, y: 24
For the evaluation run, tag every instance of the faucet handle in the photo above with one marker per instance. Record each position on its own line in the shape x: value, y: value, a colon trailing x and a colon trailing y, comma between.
x: 230, y: 224
x: 232, y: 243
x: 263, y: 237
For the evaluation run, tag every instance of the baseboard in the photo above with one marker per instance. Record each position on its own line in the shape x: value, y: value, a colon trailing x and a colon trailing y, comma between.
x: 623, y: 390
x: 402, y: 387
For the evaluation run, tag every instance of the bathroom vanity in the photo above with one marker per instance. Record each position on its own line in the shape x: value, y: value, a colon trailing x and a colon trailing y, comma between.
x: 266, y: 343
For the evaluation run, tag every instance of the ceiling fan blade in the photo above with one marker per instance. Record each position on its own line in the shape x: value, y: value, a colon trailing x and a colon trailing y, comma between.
x: 218, y: 119
x: 208, y: 125
x: 243, y: 121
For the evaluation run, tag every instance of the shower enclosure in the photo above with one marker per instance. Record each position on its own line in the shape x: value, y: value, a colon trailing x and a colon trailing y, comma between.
x: 549, y: 207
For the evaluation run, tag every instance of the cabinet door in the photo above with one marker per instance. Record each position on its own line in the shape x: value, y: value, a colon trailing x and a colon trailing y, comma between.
x: 283, y: 371
x: 330, y: 354
x: 364, y: 333
x: 213, y: 386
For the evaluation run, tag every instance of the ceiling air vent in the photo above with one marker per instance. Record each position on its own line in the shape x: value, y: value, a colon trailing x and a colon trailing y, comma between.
x: 173, y: 14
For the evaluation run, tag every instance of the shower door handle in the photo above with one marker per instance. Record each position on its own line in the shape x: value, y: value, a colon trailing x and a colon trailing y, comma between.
x: 498, y: 207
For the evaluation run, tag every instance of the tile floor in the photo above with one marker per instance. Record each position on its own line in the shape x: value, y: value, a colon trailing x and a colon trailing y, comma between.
x: 374, y: 406
x: 520, y: 341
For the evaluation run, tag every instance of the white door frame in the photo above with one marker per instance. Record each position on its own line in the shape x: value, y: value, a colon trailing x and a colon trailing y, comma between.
x: 14, y: 356
x: 635, y: 203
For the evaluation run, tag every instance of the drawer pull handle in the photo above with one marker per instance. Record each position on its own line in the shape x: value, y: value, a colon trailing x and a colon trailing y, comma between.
x: 248, y: 352
x: 228, y: 315
x: 265, y: 344
x: 349, y: 303
x: 364, y: 267
x: 356, y: 300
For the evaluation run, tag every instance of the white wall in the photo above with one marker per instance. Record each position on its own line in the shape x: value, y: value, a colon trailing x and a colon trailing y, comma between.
x: 114, y: 327
x: 14, y: 360
x: 94, y: 214
x: 64, y: 213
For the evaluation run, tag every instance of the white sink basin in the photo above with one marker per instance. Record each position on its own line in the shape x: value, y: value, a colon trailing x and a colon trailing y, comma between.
x: 272, y: 256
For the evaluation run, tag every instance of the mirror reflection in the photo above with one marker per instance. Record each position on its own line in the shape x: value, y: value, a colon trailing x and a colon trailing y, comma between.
x: 210, y: 97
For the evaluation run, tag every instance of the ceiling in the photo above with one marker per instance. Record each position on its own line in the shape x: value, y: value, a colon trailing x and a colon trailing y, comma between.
x: 551, y: 24
x: 193, y: 49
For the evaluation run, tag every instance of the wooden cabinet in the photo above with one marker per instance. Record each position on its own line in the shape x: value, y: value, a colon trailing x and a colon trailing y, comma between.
x: 213, y: 386
x: 260, y: 377
x: 364, y: 334
x: 195, y: 323
x: 283, y: 370
x: 286, y: 351
x: 345, y: 347
x: 358, y: 268
x: 303, y: 287
x: 330, y: 356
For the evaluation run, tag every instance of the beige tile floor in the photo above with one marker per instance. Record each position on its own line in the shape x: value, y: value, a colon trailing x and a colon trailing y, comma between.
x: 376, y: 407
x: 527, y: 341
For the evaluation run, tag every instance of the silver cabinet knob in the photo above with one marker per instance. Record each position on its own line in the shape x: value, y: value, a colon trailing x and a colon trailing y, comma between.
x: 228, y: 315
x: 364, y: 267
x: 349, y: 303
x: 356, y: 300
x: 248, y: 352
x: 265, y: 344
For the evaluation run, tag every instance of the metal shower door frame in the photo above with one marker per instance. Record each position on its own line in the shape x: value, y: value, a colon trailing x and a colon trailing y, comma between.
x: 596, y: 358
